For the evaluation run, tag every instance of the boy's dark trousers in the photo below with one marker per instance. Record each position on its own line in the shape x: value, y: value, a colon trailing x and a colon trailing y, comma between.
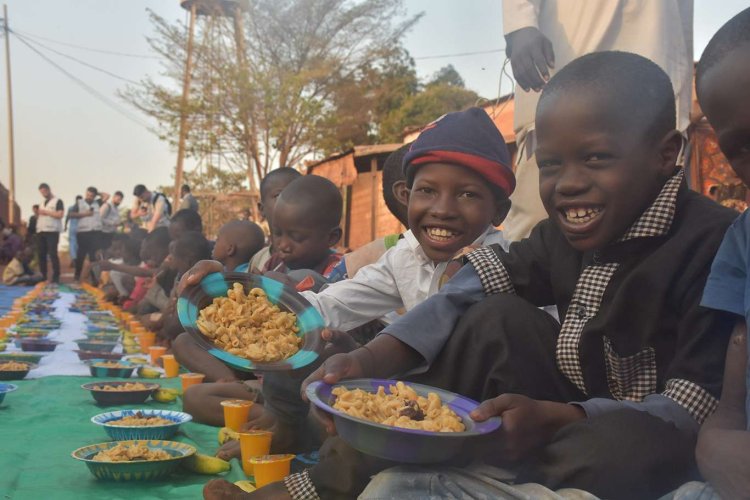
x: 88, y: 245
x: 506, y: 345
x: 47, y: 244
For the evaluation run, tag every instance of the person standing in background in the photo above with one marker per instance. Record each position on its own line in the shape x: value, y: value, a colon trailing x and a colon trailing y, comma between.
x: 48, y: 226
x: 71, y: 226
x: 153, y: 209
x: 542, y: 36
x: 110, y: 215
x: 187, y: 200
x: 31, y: 229
x: 89, y: 229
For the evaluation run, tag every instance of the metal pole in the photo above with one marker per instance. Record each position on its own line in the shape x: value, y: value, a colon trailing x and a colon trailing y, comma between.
x: 183, y: 108
x: 11, y: 148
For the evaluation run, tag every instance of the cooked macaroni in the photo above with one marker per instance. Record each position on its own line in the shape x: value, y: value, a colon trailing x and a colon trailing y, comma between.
x: 12, y: 366
x: 110, y: 364
x: 136, y: 452
x: 250, y: 326
x: 401, y: 407
x: 140, y: 420
x: 129, y: 386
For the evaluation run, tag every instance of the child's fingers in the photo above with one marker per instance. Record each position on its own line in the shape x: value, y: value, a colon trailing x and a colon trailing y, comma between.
x: 491, y: 408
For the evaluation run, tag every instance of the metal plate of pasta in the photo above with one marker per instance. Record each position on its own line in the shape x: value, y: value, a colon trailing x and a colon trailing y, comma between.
x: 252, y: 323
x: 400, y: 421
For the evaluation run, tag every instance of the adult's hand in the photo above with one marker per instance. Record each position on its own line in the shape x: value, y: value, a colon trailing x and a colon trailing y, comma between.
x: 531, y: 56
x: 196, y: 273
x: 527, y: 423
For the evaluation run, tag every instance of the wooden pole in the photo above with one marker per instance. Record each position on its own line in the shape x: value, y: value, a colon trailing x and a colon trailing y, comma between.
x: 374, y: 197
x: 11, y: 147
x: 183, y: 107
x: 248, y: 136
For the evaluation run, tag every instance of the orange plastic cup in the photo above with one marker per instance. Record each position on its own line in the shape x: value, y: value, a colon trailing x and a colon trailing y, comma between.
x: 236, y: 413
x: 270, y: 468
x: 171, y: 366
x: 253, y: 444
x: 146, y: 340
x: 189, y: 379
x: 156, y: 351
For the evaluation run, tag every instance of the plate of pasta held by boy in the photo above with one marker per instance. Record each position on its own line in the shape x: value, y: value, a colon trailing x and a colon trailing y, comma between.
x: 251, y: 322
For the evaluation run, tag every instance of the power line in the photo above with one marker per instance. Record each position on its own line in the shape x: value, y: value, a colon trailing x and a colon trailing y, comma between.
x: 92, y: 91
x: 91, y: 49
x: 89, y: 65
x: 461, y: 54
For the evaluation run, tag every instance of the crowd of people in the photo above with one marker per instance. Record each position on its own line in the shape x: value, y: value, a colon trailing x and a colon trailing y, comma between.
x: 611, y: 339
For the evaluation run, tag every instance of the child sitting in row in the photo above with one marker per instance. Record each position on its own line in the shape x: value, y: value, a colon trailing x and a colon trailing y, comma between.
x: 19, y: 272
x: 271, y: 187
x: 609, y: 401
x: 723, y: 86
x: 459, y: 176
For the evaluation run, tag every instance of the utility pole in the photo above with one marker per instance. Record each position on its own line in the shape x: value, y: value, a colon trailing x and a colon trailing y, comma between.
x: 183, y: 106
x: 11, y: 148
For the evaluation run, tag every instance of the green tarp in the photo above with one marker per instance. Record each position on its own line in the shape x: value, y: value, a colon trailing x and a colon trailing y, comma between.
x: 46, y: 419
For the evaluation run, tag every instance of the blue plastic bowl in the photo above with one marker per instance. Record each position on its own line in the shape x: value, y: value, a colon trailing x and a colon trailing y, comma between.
x: 134, y: 471
x: 103, y: 371
x: 309, y: 321
x: 395, y: 443
x: 5, y: 389
x: 125, y: 433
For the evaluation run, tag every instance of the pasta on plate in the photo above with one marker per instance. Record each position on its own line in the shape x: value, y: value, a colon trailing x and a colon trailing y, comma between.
x: 250, y: 326
x: 401, y: 406
x: 130, y: 453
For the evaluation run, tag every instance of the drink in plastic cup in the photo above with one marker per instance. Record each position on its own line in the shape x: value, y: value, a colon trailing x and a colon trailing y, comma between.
x: 171, y: 366
x: 236, y: 413
x: 270, y: 468
x: 146, y: 340
x: 156, y: 351
x: 253, y: 444
x: 189, y: 379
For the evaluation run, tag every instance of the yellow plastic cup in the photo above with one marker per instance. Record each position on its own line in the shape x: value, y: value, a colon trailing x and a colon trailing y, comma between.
x: 156, y: 351
x: 171, y: 366
x: 253, y: 444
x: 189, y: 379
x: 236, y: 413
x: 270, y: 468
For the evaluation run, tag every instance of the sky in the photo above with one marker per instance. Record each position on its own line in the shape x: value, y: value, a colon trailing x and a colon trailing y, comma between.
x: 67, y: 136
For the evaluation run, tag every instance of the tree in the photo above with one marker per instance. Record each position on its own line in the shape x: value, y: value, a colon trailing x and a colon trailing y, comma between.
x: 282, y: 92
x: 447, y: 75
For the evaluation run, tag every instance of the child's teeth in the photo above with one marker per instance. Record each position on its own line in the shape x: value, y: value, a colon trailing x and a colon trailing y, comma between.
x: 581, y: 215
x: 440, y: 233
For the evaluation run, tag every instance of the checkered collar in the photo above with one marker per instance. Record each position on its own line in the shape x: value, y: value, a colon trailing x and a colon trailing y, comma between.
x: 657, y: 218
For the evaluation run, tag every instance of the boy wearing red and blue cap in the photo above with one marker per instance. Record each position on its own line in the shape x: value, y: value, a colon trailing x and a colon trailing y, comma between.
x: 459, y: 180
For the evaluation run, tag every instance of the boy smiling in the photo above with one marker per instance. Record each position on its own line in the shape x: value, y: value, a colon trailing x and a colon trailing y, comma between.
x: 610, y: 400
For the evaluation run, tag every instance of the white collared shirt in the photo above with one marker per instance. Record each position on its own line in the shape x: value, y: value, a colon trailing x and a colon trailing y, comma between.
x: 403, y: 277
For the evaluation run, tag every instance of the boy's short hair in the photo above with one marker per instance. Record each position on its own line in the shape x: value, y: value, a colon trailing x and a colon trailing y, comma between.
x: 633, y: 84
x: 92, y: 189
x: 319, y: 197
x: 392, y: 173
x: 190, y: 220
x: 280, y: 173
x: 469, y: 139
x: 247, y: 236
x: 734, y: 33
x: 119, y: 193
x: 43, y: 185
x: 159, y: 238
x: 138, y: 190
x: 192, y: 246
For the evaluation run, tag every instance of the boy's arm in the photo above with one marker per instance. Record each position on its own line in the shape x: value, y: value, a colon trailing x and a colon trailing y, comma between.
x: 158, y: 209
x: 369, y: 295
x: 723, y: 451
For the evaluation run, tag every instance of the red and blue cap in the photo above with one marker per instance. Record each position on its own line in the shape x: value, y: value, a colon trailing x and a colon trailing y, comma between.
x: 466, y: 138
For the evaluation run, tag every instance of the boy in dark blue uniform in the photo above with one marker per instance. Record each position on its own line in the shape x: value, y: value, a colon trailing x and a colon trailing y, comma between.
x: 610, y: 400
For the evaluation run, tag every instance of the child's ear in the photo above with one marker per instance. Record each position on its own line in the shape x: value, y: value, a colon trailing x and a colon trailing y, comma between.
x: 502, y: 207
x: 334, y: 236
x: 260, y: 210
x: 231, y: 250
x: 401, y: 192
x: 669, y: 152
